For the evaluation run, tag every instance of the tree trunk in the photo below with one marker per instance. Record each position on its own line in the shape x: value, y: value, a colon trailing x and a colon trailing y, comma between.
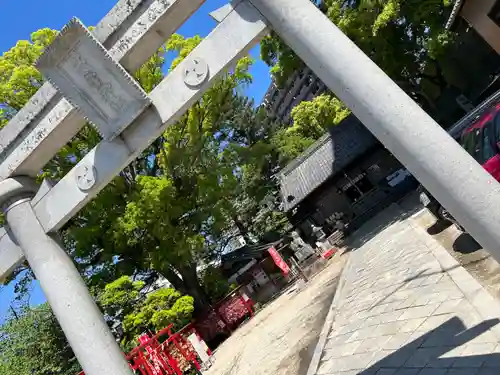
x: 189, y: 284
x: 175, y: 280
x: 242, y: 228
x: 194, y: 289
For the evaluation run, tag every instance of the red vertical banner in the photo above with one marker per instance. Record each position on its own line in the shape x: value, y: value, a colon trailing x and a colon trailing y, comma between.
x: 278, y: 260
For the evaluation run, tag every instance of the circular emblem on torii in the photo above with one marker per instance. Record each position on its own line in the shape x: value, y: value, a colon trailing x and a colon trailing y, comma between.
x: 86, y: 177
x: 195, y: 72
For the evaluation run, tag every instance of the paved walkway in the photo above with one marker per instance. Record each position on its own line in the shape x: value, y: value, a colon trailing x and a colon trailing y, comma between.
x: 406, y: 307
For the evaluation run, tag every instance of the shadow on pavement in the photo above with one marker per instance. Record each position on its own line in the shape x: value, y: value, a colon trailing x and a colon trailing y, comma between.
x: 374, y: 226
x: 466, y: 244
x: 419, y: 275
x: 438, y: 227
x: 398, y: 288
x: 434, y: 352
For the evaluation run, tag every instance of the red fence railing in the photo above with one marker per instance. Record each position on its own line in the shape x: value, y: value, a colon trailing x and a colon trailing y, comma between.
x: 171, y: 353
x: 165, y: 353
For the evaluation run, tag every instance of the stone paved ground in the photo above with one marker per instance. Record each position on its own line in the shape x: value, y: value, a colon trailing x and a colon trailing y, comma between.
x: 399, y: 313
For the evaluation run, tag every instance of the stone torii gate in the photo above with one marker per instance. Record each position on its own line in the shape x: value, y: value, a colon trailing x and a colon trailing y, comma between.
x: 91, y: 73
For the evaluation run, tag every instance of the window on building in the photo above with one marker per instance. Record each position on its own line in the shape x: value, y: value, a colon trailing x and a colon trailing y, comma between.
x: 494, y: 13
x: 353, y: 194
x: 364, y: 185
x: 357, y: 188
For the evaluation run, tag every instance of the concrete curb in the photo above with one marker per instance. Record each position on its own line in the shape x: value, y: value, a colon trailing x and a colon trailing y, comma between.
x: 330, y: 319
x: 487, y: 306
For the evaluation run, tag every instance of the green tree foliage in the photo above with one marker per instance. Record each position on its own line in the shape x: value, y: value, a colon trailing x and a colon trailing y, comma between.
x: 271, y: 225
x: 290, y: 145
x: 160, y: 309
x: 124, y: 303
x: 120, y: 297
x: 32, y: 343
x: 406, y: 38
x: 251, y: 143
x: 207, y: 173
x: 214, y: 283
x: 19, y: 79
x: 175, y: 209
x: 171, y: 208
x: 312, y: 118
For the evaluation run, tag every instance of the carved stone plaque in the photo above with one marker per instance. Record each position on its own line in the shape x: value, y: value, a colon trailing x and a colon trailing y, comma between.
x: 83, y: 71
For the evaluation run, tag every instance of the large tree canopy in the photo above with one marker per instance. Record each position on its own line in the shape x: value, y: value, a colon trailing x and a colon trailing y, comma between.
x: 171, y: 209
x: 167, y: 213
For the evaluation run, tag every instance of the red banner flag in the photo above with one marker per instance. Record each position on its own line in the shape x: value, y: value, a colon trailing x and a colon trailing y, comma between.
x: 278, y: 260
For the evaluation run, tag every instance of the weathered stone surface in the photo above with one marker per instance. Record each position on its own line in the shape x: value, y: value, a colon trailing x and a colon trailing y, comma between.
x: 18, y: 128
x: 11, y: 255
x: 116, y: 17
x: 150, y: 30
x: 14, y: 129
x: 155, y: 11
x: 83, y: 71
x: 110, y: 31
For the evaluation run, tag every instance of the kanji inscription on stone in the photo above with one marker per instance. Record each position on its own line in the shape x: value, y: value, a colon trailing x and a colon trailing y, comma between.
x: 84, y: 72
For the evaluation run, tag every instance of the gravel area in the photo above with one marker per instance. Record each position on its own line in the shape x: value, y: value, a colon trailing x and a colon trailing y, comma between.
x: 281, y: 338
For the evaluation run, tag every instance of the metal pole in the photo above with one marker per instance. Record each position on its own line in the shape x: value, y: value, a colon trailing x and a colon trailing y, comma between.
x: 299, y: 269
x: 79, y: 317
x: 431, y: 155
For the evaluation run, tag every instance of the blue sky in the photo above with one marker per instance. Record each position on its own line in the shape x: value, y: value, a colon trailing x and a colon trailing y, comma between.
x: 24, y: 17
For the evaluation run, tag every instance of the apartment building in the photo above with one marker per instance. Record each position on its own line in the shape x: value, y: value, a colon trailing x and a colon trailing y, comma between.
x: 303, y: 85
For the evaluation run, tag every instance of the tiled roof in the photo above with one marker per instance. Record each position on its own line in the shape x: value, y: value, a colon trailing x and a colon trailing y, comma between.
x: 323, y: 159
